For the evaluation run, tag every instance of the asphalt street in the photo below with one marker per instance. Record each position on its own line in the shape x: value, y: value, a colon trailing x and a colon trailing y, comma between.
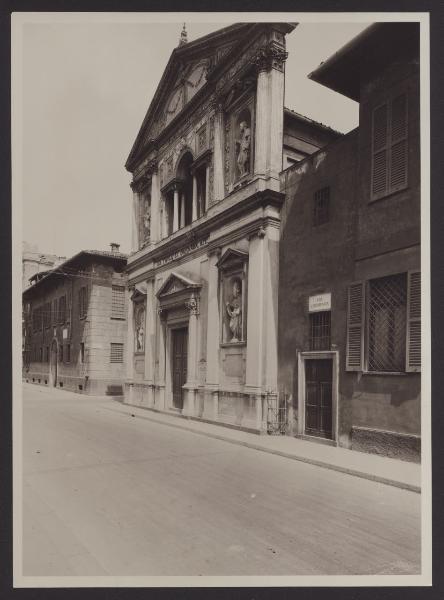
x: 105, y: 493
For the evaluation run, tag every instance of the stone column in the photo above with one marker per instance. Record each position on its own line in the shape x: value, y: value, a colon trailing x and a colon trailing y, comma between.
x: 218, y: 155
x: 262, y: 121
x: 193, y: 338
x: 182, y: 210
x: 176, y: 210
x: 130, y: 348
x: 149, y: 340
x: 213, y: 333
x: 134, y: 221
x: 255, y: 322
x: 276, y: 137
x: 207, y: 190
x: 155, y: 207
x: 194, y: 216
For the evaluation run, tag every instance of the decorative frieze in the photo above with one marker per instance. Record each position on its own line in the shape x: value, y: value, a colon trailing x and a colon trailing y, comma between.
x: 186, y: 249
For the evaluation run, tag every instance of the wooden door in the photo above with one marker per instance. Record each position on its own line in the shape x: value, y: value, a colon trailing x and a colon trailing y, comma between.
x: 318, y: 397
x: 179, y: 367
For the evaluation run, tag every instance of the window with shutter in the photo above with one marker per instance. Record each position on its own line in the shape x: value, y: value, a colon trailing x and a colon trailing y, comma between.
x: 116, y: 353
x: 389, y: 147
x: 355, y: 323
x: 413, y: 341
x: 118, y: 302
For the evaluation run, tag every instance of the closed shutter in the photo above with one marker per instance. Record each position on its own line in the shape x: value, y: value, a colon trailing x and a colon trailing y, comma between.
x: 398, y: 151
x: 380, y: 151
x: 355, y: 325
x: 413, y: 342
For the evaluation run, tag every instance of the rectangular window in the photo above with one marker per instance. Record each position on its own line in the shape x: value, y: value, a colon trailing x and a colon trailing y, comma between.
x: 83, y: 308
x: 47, y: 354
x: 47, y: 315
x: 384, y: 324
x: 55, y: 316
x: 61, y: 353
x: 68, y: 353
x: 389, y: 147
x: 321, y: 207
x: 41, y: 355
x: 116, y: 354
x: 320, y: 330
x: 387, y: 323
x: 82, y: 352
x: 62, y: 309
x: 118, y: 302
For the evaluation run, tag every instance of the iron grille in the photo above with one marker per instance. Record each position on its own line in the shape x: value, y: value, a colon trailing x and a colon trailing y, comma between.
x: 116, y: 355
x: 387, y: 323
x: 276, y: 415
x: 118, y: 302
x: 320, y: 330
x: 321, y: 206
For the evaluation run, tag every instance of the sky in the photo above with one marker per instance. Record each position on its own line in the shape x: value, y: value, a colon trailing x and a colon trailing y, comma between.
x: 85, y: 89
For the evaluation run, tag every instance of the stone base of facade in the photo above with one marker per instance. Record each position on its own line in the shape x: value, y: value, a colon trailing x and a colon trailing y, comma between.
x: 237, y: 410
x: 80, y: 385
x: 387, y: 443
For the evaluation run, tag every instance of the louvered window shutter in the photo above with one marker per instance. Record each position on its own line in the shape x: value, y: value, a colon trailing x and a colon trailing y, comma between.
x: 355, y: 326
x: 413, y: 342
x: 398, y: 140
x: 380, y: 151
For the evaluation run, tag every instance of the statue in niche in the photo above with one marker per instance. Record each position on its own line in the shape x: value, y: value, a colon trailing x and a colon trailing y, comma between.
x: 243, y: 149
x: 146, y: 219
x: 140, y: 330
x: 234, y: 311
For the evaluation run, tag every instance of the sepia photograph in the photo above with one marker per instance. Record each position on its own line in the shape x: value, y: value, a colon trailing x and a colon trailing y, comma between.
x: 221, y: 299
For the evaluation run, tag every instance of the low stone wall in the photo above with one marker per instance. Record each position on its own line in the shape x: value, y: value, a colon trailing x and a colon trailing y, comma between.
x: 387, y: 443
x: 80, y: 385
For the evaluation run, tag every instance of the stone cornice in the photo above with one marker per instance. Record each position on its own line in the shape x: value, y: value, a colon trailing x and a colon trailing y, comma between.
x: 201, y: 231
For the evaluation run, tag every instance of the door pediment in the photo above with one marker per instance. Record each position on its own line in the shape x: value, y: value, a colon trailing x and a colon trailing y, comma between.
x: 177, y: 283
x: 178, y: 292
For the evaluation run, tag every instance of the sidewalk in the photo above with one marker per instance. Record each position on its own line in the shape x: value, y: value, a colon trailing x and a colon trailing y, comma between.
x: 389, y: 471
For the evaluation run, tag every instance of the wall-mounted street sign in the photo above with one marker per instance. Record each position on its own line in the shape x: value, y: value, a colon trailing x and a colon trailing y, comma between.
x: 319, y: 302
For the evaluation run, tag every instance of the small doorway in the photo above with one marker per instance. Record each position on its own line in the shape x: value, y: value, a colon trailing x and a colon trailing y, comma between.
x: 53, y: 364
x: 179, y: 343
x: 318, y: 397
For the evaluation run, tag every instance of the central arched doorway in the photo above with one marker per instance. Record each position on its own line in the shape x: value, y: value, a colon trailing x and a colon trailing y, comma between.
x: 53, y: 364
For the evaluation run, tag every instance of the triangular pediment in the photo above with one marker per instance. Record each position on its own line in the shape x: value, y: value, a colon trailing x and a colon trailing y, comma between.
x: 231, y: 258
x: 177, y: 283
x: 184, y: 75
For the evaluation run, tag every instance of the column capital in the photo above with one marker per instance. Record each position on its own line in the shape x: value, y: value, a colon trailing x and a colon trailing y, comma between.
x: 193, y: 306
x: 260, y: 233
x: 271, y: 56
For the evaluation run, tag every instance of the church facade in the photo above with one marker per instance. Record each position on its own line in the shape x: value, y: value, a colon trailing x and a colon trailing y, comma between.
x: 204, y: 268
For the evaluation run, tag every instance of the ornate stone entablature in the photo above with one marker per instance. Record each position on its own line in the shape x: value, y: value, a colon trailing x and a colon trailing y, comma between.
x: 177, y: 292
x: 191, y: 244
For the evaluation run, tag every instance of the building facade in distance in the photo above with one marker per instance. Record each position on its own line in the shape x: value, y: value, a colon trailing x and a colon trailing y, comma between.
x: 349, y: 285
x: 34, y: 262
x: 204, y: 270
x: 75, y: 324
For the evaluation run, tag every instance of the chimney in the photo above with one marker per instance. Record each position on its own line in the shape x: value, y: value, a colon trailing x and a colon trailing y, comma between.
x: 114, y: 247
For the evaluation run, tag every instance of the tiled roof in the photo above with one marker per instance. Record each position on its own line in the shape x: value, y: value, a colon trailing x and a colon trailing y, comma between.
x: 293, y: 113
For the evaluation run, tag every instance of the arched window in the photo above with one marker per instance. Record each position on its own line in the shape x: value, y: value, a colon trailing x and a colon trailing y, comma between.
x: 185, y: 180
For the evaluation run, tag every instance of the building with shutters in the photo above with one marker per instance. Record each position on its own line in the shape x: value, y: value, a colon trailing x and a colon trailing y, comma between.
x: 349, y: 284
x: 203, y: 272
x: 75, y: 324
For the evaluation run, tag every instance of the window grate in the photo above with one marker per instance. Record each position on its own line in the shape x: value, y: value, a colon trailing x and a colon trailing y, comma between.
x: 321, y: 207
x: 387, y: 323
x: 320, y: 330
x: 118, y: 302
x: 116, y: 355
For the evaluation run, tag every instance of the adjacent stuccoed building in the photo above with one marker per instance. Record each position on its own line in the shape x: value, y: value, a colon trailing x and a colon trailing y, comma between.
x: 350, y: 259
x: 75, y: 325
x: 204, y: 268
